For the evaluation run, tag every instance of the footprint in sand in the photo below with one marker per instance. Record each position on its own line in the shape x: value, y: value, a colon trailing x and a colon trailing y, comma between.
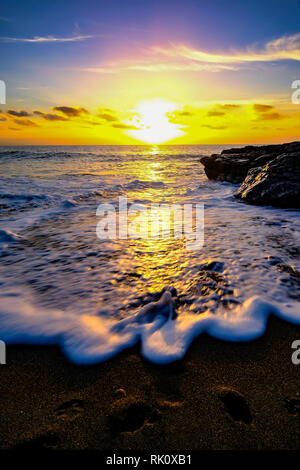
x: 236, y: 405
x: 131, y: 416
x: 70, y: 409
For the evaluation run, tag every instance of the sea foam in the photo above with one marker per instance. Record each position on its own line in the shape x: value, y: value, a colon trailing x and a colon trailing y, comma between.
x: 88, y: 339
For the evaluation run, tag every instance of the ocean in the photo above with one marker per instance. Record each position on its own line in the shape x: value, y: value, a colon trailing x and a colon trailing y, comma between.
x: 61, y: 284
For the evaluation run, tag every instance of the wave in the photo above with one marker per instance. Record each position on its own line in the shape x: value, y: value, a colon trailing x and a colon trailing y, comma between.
x: 138, y: 184
x: 6, y: 236
x: 88, y: 339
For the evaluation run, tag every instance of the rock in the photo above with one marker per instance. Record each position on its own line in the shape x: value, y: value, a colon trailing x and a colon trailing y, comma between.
x: 232, y: 165
x: 270, y: 174
x: 276, y: 184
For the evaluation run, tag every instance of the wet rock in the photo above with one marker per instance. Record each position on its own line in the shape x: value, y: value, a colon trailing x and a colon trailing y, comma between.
x: 216, y: 266
x: 270, y: 174
x: 276, y: 184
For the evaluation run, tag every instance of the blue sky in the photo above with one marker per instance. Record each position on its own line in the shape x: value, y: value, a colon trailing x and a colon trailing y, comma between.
x: 76, y: 52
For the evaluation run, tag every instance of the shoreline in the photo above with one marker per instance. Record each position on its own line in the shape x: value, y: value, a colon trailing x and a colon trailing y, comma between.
x: 221, y: 396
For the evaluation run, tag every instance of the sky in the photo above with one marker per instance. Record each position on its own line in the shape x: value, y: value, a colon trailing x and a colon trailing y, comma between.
x: 153, y: 72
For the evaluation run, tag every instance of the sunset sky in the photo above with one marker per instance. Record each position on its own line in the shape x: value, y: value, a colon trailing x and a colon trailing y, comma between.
x: 126, y: 72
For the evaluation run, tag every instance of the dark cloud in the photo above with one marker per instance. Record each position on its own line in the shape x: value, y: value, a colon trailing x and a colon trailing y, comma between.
x: 262, y: 108
x: 107, y: 114
x: 20, y: 113
x: 50, y: 116
x: 229, y: 107
x: 178, y: 117
x: 184, y: 113
x: 215, y: 113
x: 93, y: 123
x: 107, y: 117
x: 217, y: 128
x: 71, y: 111
x: 269, y: 117
x: 120, y: 125
x: 25, y: 122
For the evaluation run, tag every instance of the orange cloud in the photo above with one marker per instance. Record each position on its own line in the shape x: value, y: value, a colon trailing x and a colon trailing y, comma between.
x: 70, y: 111
x: 50, y: 116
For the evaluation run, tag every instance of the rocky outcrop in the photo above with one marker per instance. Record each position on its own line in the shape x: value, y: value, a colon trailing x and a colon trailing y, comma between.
x: 270, y: 174
x: 276, y: 184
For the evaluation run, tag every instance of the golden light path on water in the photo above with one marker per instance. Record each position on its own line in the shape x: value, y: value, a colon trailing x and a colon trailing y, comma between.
x: 69, y: 283
x: 66, y: 266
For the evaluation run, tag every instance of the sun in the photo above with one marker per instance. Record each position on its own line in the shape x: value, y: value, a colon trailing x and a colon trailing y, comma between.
x: 152, y: 122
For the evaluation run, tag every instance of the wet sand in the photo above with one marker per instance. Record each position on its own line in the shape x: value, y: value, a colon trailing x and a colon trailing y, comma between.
x: 222, y: 395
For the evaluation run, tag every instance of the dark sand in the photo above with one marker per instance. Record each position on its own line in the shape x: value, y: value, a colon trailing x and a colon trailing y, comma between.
x: 221, y: 396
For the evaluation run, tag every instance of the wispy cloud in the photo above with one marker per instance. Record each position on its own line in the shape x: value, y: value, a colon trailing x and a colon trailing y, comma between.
x: 158, y: 67
x: 284, y: 48
x: 192, y: 67
x: 40, y: 39
x: 183, y: 58
x: 105, y: 69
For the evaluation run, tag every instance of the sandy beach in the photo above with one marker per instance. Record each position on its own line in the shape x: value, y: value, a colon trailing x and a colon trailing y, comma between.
x: 220, y: 396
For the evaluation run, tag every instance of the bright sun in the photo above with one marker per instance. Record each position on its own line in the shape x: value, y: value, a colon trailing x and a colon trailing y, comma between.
x: 153, y: 123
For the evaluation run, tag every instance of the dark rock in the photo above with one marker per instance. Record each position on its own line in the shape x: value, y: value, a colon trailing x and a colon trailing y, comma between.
x: 276, y: 184
x: 270, y: 174
x: 217, y: 266
x: 232, y: 165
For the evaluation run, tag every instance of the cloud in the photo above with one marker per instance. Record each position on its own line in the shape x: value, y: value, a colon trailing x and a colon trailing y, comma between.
x: 2, y: 119
x: 120, y: 125
x: 157, y: 68
x: 266, y: 112
x: 106, y: 114
x: 49, y: 39
x: 208, y: 126
x: 188, y: 67
x: 215, y: 113
x: 262, y: 108
x: 105, y: 69
x: 25, y: 122
x: 286, y: 47
x: 270, y: 117
x: 229, y: 107
x: 71, y: 111
x: 20, y: 113
x: 50, y: 116
x: 185, y: 58
x: 185, y: 113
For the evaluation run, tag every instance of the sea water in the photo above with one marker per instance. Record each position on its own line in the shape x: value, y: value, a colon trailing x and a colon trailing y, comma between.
x: 61, y: 284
